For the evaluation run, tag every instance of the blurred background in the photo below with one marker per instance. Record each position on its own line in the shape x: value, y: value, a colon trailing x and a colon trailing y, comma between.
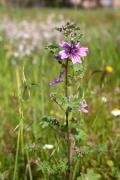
x: 27, y: 68
x: 62, y: 3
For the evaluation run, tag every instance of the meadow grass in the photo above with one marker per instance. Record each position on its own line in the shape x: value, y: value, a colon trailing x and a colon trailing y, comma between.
x: 24, y: 99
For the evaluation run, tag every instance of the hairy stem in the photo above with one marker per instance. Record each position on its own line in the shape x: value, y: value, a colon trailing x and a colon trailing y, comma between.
x: 67, y: 122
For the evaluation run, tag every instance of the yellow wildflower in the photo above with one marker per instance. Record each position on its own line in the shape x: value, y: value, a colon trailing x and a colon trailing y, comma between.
x: 108, y: 69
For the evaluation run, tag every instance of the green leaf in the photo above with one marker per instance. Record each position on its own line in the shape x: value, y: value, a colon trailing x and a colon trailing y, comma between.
x: 44, y: 167
x: 62, y: 166
x: 102, y: 148
x: 52, y: 48
x: 86, y: 149
x: 78, y: 35
x: 81, y: 135
x: 74, y: 103
x: 47, y: 121
x: 63, y: 101
x: 74, y: 131
x: 79, y: 67
x: 90, y: 175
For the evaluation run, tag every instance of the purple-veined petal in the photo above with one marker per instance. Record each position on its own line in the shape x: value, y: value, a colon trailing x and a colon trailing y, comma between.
x: 64, y: 54
x: 84, y: 110
x: 77, y: 45
x: 76, y: 59
x: 64, y: 45
x: 82, y: 52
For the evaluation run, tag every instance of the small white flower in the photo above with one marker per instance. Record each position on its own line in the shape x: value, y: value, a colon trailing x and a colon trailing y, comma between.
x: 16, y: 54
x: 115, y: 112
x: 104, y: 99
x: 48, y: 146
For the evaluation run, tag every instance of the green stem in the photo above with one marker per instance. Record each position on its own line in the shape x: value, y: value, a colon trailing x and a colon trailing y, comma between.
x: 16, y: 157
x: 20, y: 138
x: 67, y: 123
x: 42, y: 87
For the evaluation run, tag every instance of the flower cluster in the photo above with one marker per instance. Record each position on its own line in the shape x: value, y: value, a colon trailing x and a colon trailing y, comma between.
x: 58, y: 79
x: 27, y: 36
x: 73, y: 50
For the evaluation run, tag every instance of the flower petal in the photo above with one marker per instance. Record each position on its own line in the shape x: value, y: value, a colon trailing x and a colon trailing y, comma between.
x: 84, y: 110
x: 76, y: 59
x: 82, y: 52
x: 57, y: 56
x: 83, y: 104
x: 64, y: 45
x: 115, y: 112
x: 56, y: 81
x: 64, y: 54
x: 77, y: 45
x: 62, y: 72
x: 48, y: 146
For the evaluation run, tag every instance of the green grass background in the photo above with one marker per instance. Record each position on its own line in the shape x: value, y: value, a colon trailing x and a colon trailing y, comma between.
x: 101, y: 30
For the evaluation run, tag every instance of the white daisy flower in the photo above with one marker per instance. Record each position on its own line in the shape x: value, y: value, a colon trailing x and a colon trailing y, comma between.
x: 115, y: 112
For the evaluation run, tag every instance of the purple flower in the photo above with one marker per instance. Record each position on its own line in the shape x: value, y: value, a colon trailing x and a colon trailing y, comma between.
x: 82, y: 107
x: 58, y: 79
x: 62, y: 72
x: 74, y: 50
x: 58, y: 58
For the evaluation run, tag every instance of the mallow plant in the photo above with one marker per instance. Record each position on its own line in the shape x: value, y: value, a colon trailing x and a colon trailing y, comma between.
x: 71, y: 57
